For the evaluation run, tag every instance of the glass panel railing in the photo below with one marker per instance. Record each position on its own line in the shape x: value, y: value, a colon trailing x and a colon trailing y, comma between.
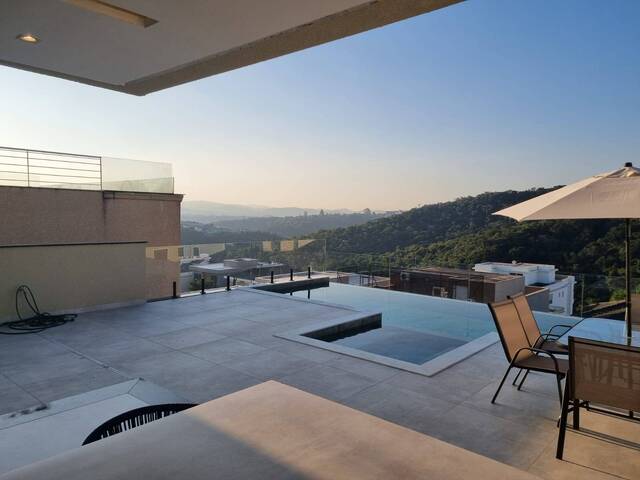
x: 248, y: 263
x: 127, y: 175
x: 193, y: 268
x: 39, y: 168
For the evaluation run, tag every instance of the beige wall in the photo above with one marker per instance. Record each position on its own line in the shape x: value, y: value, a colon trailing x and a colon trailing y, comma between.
x: 73, y: 277
x: 35, y: 216
x: 505, y: 288
x: 44, y: 216
x: 538, y: 298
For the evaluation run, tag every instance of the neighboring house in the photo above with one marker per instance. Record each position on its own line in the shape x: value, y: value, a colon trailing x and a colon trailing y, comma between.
x: 538, y: 277
x: 456, y: 283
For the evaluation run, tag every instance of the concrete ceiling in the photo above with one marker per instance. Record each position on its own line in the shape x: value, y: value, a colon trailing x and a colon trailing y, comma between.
x: 191, y: 39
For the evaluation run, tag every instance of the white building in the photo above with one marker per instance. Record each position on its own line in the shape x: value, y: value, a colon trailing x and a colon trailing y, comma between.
x: 560, y: 287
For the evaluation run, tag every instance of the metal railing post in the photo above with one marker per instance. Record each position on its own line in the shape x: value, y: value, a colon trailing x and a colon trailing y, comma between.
x: 28, y: 171
x: 175, y: 290
x: 308, y: 272
x: 291, y: 275
x: 228, y: 283
x: 271, y: 276
x: 202, y: 285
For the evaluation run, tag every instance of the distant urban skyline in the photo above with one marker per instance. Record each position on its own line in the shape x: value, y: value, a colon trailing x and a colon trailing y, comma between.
x: 481, y: 96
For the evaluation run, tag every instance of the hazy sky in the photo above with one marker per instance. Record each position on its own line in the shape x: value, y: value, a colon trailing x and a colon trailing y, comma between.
x: 485, y: 95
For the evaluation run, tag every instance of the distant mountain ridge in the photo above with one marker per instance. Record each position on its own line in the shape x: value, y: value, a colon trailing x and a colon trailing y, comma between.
x: 205, y: 212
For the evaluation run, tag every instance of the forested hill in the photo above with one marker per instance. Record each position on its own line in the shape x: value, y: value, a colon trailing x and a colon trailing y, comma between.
x: 463, y: 232
x: 427, y: 224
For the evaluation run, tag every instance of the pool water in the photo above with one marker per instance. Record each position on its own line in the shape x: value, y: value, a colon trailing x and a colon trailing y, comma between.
x: 415, y: 328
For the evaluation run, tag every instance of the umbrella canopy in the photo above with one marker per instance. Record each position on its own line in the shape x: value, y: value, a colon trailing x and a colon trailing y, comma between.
x: 609, y: 195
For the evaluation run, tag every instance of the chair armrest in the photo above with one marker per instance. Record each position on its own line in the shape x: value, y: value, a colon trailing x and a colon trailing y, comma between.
x: 568, y: 327
x: 541, y: 352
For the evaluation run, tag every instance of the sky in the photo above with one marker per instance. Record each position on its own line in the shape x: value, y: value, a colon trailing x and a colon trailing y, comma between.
x: 486, y: 95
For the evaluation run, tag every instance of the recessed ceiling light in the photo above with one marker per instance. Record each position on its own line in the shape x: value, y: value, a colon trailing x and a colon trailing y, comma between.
x: 28, y: 37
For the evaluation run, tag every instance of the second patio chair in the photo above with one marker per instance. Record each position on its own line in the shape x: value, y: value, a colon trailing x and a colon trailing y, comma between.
x: 537, y: 339
x: 517, y: 349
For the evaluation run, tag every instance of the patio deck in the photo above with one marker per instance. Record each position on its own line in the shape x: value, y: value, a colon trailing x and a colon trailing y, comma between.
x: 204, y: 347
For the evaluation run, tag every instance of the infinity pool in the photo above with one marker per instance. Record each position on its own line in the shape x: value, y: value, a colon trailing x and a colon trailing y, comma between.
x: 415, y: 328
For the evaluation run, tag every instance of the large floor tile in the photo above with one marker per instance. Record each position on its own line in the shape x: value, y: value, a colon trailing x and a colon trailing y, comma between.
x: 400, y: 406
x: 133, y: 348
x: 224, y: 350
x: 163, y: 368
x: 328, y: 382
x: 234, y: 326
x: 269, y: 364
x: 186, y: 337
x: 453, y: 387
x: 53, y: 366
x: 18, y: 349
x: 364, y: 368
x: 318, y: 355
x: 60, y: 387
x: 200, y: 385
x: 504, y: 440
x: 526, y: 407
x: 14, y: 397
x: 604, y: 446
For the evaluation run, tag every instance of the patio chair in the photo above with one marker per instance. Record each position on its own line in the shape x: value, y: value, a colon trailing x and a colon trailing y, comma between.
x: 517, y: 349
x: 606, y: 374
x: 135, y: 418
x: 544, y: 341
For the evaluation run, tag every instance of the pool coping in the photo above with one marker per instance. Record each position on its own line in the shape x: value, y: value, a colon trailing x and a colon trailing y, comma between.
x: 362, y: 318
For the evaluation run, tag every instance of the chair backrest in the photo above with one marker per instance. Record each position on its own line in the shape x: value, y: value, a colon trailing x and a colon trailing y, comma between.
x: 135, y: 418
x: 605, y: 373
x: 509, y: 328
x: 531, y: 329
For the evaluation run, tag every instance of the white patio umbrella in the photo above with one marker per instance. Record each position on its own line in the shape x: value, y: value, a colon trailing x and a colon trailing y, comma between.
x: 609, y: 195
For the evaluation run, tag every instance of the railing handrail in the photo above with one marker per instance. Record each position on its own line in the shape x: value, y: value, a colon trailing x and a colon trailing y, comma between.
x: 15, y: 149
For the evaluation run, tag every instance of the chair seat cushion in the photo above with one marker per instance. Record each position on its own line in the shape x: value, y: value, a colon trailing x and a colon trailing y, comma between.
x: 552, y: 346
x: 544, y: 363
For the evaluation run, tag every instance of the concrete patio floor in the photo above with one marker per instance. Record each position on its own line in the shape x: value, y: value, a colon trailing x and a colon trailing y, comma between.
x: 204, y: 347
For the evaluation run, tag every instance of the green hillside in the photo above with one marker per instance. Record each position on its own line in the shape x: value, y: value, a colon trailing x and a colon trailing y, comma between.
x: 463, y: 232
x: 426, y: 224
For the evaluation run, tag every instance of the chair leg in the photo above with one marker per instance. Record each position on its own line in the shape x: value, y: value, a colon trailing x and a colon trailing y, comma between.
x: 576, y: 414
x: 523, y: 379
x: 493, y: 400
x: 516, y: 379
x: 563, y: 427
x: 558, y: 380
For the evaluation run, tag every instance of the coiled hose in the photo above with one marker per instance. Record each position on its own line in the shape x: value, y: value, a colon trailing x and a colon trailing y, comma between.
x: 38, y: 321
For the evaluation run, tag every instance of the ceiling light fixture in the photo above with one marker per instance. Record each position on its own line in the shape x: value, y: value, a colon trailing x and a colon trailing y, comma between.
x: 28, y: 38
x: 103, y: 8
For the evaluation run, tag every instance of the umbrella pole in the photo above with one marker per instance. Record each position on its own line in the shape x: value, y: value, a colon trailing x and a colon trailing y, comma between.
x: 627, y: 268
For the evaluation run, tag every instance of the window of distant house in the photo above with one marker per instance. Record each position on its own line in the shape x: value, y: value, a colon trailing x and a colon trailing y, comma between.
x: 161, y: 254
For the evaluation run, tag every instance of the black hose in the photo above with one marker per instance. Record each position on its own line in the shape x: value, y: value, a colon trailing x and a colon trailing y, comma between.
x: 38, y: 321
